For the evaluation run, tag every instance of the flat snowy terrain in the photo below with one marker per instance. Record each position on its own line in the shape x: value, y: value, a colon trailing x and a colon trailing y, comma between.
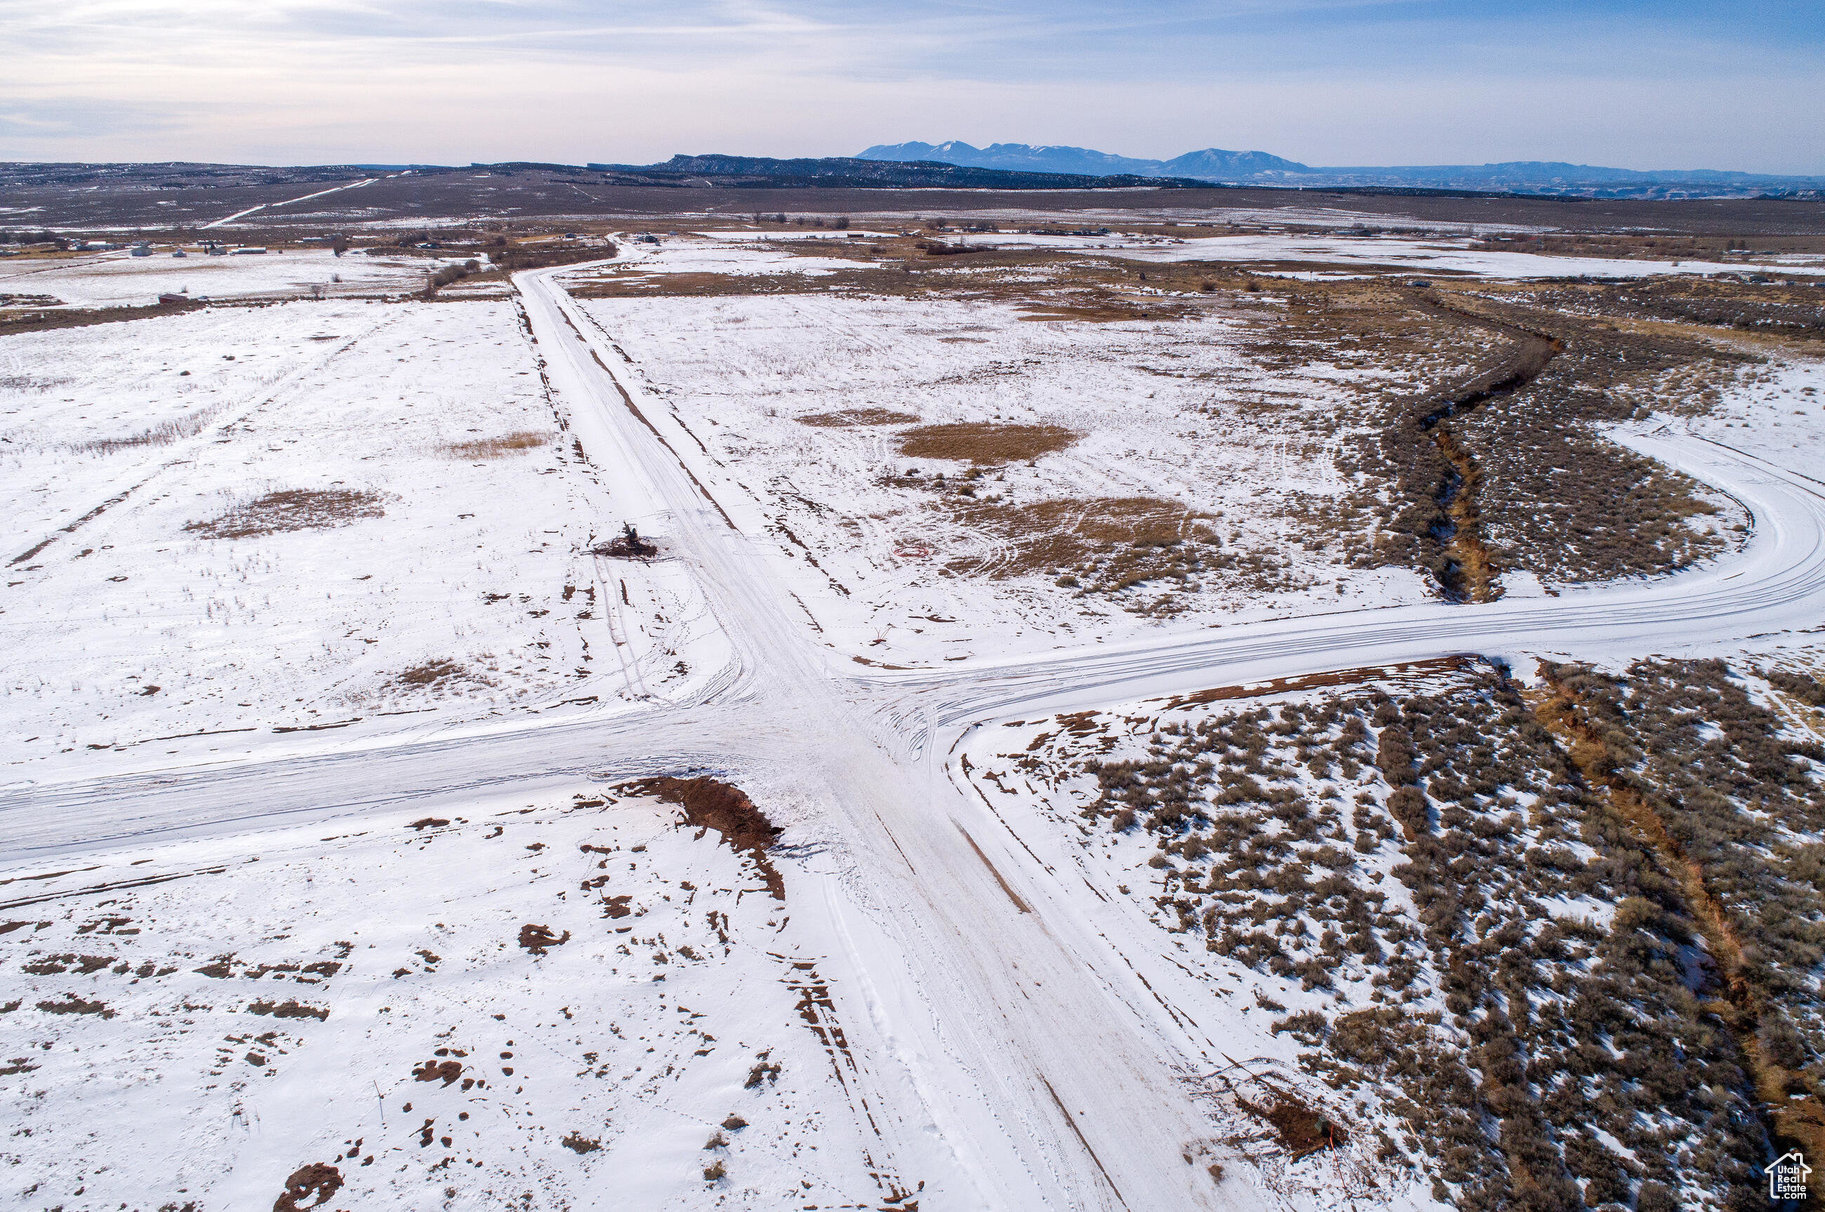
x: 333, y: 665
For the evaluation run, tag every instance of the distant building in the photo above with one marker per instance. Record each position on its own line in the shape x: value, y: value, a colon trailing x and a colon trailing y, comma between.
x: 247, y: 252
x: 142, y: 249
x: 178, y: 252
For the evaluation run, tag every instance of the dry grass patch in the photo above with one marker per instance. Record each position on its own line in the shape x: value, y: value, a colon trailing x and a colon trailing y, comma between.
x: 858, y: 416
x: 292, y: 509
x: 498, y: 447
x: 984, y: 443
x: 431, y: 673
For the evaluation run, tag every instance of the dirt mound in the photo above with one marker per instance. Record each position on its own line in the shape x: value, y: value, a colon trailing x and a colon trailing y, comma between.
x: 1301, y: 1129
x: 309, y: 1187
x: 628, y: 545
x: 711, y: 804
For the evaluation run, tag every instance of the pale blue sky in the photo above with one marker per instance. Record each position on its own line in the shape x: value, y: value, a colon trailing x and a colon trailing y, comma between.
x: 1634, y: 83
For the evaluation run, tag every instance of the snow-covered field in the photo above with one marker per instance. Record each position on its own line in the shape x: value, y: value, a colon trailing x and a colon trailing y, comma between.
x: 193, y: 1025
x: 346, y: 515
x: 803, y: 402
x: 115, y: 279
x: 359, y: 531
x: 1435, y: 256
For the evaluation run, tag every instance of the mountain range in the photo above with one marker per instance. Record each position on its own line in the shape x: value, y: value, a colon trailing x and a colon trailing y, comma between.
x: 1261, y: 168
x: 879, y: 172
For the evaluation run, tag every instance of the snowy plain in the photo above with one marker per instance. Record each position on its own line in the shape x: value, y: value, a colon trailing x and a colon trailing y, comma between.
x: 383, y: 415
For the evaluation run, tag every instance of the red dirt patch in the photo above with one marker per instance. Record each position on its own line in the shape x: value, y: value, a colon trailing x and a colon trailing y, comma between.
x: 539, y: 939
x: 1300, y: 1129
x: 76, y: 1005
x: 711, y: 804
x: 316, y: 1183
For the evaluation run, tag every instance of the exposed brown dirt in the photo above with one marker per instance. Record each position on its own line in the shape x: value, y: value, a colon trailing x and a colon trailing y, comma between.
x: 71, y: 1004
x: 291, y: 509
x: 431, y: 673
x: 1301, y: 1129
x: 445, y: 1071
x: 308, y: 1187
x: 288, y: 1009
x: 712, y: 804
x: 540, y: 939
x: 984, y: 443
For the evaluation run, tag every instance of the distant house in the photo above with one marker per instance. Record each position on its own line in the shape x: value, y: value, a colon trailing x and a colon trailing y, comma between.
x: 142, y: 249
x: 178, y: 252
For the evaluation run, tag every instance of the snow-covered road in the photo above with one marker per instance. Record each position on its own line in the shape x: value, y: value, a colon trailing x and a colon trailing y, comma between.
x: 1010, y: 1056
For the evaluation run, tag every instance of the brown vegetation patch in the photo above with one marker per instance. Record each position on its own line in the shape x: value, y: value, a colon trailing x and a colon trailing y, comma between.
x: 984, y: 443
x: 308, y: 1187
x: 500, y: 447
x: 711, y: 804
x: 292, y: 509
x: 431, y: 673
x: 1106, y: 545
x: 858, y: 416
x: 288, y: 1009
x: 71, y: 1004
x: 445, y: 1071
x: 576, y: 1142
x: 1096, y: 307
x: 46, y: 321
x: 162, y: 434
x: 540, y: 939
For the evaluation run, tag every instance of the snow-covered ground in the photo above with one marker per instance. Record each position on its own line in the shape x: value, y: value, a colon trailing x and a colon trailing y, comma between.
x: 903, y: 570
x: 1015, y: 1018
x: 193, y: 1025
x: 1428, y: 255
x: 114, y: 279
x: 1776, y: 412
x: 1035, y: 776
x: 347, y: 515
